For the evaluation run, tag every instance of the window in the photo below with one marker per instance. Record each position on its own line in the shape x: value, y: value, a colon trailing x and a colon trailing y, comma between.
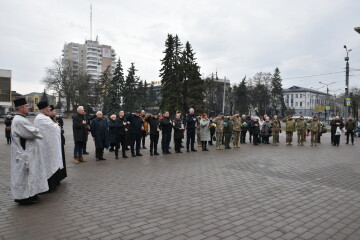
x: 300, y: 104
x: 296, y: 96
x: 36, y: 100
x: 296, y: 104
x: 300, y: 95
x: 292, y: 95
x: 5, y: 89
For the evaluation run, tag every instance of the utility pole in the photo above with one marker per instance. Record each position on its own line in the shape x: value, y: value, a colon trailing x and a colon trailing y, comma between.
x: 327, y: 96
x: 223, y: 107
x: 347, y: 100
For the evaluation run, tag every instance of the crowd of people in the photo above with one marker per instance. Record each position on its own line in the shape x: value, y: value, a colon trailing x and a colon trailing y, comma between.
x: 37, y: 150
x: 129, y: 131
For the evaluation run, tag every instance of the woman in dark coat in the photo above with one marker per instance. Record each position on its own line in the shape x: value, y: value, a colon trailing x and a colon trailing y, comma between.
x: 154, y: 133
x: 8, y: 122
x: 100, y: 134
x: 255, y: 129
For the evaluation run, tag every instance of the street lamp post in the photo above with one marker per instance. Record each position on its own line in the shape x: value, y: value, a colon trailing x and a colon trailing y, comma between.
x: 347, y: 82
x: 327, y: 96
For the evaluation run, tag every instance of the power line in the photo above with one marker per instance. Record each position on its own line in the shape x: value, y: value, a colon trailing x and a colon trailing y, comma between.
x: 314, y: 75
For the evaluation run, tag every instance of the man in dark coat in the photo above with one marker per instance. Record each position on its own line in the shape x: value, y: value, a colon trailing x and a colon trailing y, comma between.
x: 166, y: 128
x: 136, y: 124
x: 178, y: 132
x: 114, y: 141
x: 190, y: 130
x: 100, y: 134
x: 8, y: 122
x: 154, y: 133
x: 255, y: 129
x: 122, y: 129
x: 80, y: 134
x: 335, y: 140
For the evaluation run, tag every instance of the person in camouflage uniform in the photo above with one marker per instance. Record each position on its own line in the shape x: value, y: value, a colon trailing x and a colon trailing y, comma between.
x: 301, y: 129
x: 315, y: 128
x: 219, y: 121
x: 228, y: 129
x: 276, y: 127
x: 236, y: 121
x: 290, y: 129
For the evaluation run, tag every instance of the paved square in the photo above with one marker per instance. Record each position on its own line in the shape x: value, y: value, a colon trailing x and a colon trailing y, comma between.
x: 255, y: 192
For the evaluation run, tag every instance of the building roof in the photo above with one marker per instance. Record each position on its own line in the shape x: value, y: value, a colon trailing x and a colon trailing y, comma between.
x: 301, y: 89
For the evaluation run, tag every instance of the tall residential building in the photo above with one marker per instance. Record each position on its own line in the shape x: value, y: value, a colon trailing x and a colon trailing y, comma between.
x: 91, y: 57
x: 5, y: 91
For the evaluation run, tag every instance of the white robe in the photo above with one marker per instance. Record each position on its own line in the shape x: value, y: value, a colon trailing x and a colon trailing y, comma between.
x: 28, y: 175
x: 50, y: 143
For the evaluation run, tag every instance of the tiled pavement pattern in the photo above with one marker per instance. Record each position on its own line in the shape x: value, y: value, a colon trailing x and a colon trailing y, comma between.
x: 256, y: 192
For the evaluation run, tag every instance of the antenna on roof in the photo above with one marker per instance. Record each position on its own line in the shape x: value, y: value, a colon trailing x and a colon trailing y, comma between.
x: 91, y: 22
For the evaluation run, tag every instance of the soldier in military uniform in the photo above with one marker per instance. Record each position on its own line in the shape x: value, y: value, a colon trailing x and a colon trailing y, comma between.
x: 276, y: 127
x: 219, y: 121
x: 290, y: 129
x: 236, y: 121
x: 301, y: 129
x: 228, y: 129
x: 315, y: 128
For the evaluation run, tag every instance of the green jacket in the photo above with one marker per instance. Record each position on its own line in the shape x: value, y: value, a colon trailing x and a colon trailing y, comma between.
x: 315, y: 126
x: 219, y: 124
x: 301, y: 125
x: 290, y: 124
x: 350, y: 125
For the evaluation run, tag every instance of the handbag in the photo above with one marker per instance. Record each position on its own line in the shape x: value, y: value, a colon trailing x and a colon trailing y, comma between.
x: 338, y: 131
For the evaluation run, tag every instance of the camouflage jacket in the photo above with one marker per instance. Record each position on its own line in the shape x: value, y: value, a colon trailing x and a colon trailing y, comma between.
x: 315, y: 126
x: 290, y: 125
x: 236, y: 121
x: 275, y: 126
x: 301, y: 125
x: 219, y: 124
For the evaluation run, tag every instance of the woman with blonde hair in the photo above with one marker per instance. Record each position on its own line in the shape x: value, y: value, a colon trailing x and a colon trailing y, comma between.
x: 204, y: 131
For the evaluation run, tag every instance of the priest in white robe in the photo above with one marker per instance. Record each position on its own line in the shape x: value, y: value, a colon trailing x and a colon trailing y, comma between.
x: 28, y: 175
x: 50, y: 144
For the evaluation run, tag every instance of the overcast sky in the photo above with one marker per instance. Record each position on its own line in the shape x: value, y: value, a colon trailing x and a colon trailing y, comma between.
x: 236, y: 38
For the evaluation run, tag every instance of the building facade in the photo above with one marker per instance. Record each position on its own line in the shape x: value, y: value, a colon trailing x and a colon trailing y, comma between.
x: 307, y: 102
x: 91, y: 57
x: 34, y: 98
x: 5, y: 91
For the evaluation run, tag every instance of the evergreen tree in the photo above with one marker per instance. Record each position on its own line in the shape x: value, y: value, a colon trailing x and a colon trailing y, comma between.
x: 44, y: 96
x: 152, y: 97
x: 115, y: 86
x: 171, y: 91
x: 241, y: 98
x: 277, y: 97
x: 194, y: 85
x: 130, y: 91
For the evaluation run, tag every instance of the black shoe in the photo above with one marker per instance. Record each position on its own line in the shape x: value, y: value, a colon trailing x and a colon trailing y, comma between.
x: 85, y: 153
x: 182, y: 146
x: 144, y: 147
x: 156, y: 153
x: 133, y: 155
x: 347, y: 143
x: 127, y: 148
x: 116, y: 157
x: 111, y: 150
x: 151, y: 154
x: 102, y: 158
x: 168, y: 152
x: 124, y: 156
x: 206, y: 149
x: 178, y: 151
x: 97, y: 159
x: 193, y: 150
x: 139, y: 154
x: 164, y: 152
